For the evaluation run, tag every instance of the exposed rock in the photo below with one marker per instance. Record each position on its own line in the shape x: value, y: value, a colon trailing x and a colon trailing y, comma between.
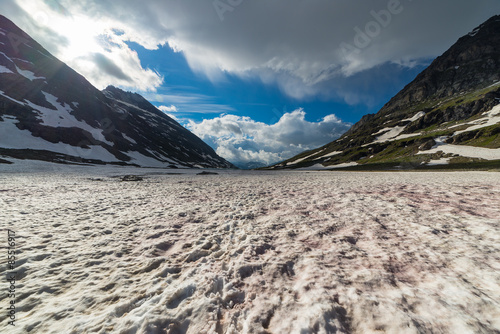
x: 207, y: 173
x: 132, y: 178
x: 427, y: 145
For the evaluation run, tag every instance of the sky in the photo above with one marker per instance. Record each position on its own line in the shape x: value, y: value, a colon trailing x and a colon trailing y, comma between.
x: 258, y: 80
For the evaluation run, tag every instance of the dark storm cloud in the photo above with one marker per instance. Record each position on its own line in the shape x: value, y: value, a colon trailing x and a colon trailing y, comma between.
x: 300, y: 45
x: 310, y: 42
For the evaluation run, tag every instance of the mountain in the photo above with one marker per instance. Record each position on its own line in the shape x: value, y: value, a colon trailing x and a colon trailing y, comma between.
x: 49, y: 112
x: 448, y: 117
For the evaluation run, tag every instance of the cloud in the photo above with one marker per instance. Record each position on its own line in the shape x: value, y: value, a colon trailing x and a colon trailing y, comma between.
x: 302, y: 46
x: 109, y: 67
x: 92, y: 45
x: 166, y: 109
x: 242, y: 140
x: 187, y: 103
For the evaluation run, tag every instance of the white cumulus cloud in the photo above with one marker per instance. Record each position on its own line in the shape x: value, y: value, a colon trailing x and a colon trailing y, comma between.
x: 242, y: 140
x: 167, y: 109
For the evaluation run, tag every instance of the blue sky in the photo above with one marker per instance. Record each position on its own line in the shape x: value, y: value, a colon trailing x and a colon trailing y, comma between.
x: 260, y: 81
x: 262, y: 102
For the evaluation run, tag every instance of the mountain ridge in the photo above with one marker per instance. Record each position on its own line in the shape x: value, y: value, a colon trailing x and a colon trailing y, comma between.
x: 50, y: 112
x: 444, y: 107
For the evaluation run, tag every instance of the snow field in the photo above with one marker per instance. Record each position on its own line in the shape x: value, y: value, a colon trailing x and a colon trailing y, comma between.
x: 291, y: 252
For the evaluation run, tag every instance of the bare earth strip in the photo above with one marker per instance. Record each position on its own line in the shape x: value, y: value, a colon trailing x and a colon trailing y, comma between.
x: 297, y: 252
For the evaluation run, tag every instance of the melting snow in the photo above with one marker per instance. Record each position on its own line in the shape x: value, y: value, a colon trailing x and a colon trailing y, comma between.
x: 295, y: 252
x: 301, y: 159
x: 129, y: 139
x: 61, y: 117
x: 415, y: 117
x: 345, y: 164
x: 28, y: 74
x: 463, y: 150
x: 14, y: 138
x: 442, y: 161
x: 142, y: 160
x: 407, y: 135
x: 331, y: 154
x: 390, y: 134
x: 4, y: 69
x: 10, y: 98
x: 491, y: 117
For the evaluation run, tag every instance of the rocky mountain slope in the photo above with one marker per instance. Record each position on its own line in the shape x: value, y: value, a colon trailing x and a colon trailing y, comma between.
x: 49, y: 112
x: 448, y: 117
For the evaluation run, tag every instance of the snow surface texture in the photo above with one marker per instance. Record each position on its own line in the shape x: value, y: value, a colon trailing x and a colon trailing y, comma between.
x: 290, y: 252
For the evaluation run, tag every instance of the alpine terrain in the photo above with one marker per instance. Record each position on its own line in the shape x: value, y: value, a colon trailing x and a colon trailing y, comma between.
x: 49, y: 112
x: 448, y: 117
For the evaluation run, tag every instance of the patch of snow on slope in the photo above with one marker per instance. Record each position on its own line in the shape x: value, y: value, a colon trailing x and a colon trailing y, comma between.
x: 415, y: 117
x: 28, y: 74
x: 331, y: 154
x: 13, y: 138
x: 144, y: 161
x: 495, y: 84
x: 390, y: 133
x: 10, y: 98
x: 491, y: 117
x: 313, y: 167
x: 345, y: 164
x: 321, y: 167
x: 301, y: 159
x: 129, y: 139
x: 439, y: 162
x: 394, y: 133
x: 4, y: 69
x: 407, y: 135
x: 463, y: 150
x: 61, y: 117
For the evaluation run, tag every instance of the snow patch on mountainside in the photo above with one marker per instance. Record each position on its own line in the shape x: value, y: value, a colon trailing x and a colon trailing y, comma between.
x: 4, y: 69
x: 489, y: 118
x: 142, y: 160
x: 10, y: 98
x: 129, y: 139
x: 62, y: 117
x: 415, y: 117
x: 388, y: 133
x: 345, y: 164
x: 13, y: 138
x: 463, y: 150
x: 439, y: 162
x: 394, y: 133
x: 28, y: 74
x: 331, y: 154
x: 319, y: 166
x: 301, y: 159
